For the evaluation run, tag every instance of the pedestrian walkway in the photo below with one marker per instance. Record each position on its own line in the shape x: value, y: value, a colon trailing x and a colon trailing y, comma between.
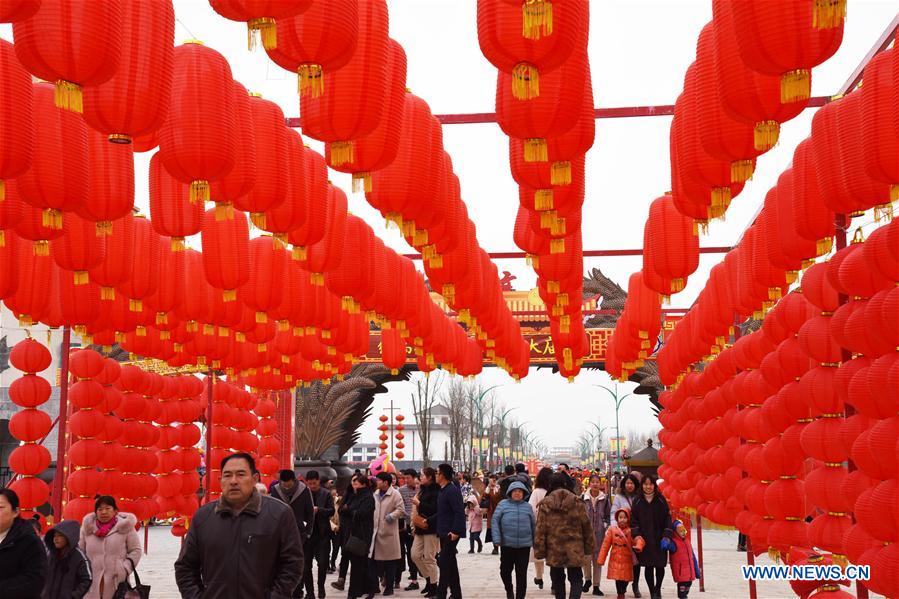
x: 480, y: 572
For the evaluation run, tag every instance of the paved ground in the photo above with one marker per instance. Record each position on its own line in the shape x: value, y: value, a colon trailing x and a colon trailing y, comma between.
x: 480, y: 572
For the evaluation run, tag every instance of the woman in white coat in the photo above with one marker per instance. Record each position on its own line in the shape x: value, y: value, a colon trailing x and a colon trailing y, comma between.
x: 385, y: 542
x: 541, y: 487
x: 109, y: 540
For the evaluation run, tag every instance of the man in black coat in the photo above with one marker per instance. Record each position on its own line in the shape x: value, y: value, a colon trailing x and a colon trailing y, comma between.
x: 298, y: 497
x: 317, y: 545
x: 450, y: 528
x: 244, y: 545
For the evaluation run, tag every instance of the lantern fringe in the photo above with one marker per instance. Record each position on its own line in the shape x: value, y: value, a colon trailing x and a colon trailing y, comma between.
x: 532, y: 260
x: 823, y: 246
x: 310, y: 80
x: 199, y: 191
x: 560, y: 173
x: 2, y: 238
x: 436, y: 261
x: 525, y: 82
x: 562, y: 299
x: 258, y: 219
x: 177, y: 244
x: 558, y: 226
x: 420, y: 238
x: 720, y: 199
x: 449, y: 292
x: 317, y: 279
x: 283, y: 326
x: 229, y: 295
x: 535, y: 150
x: 107, y: 293
x: 67, y: 95
x: 553, y: 286
x: 547, y: 219
x: 557, y: 246
x: 565, y: 324
x: 741, y: 171
x: 135, y: 305
x: 678, y: 284
x: 223, y: 212
x: 894, y: 191
x: 299, y: 253
x: 536, y: 19
x: 543, y: 199
x: 81, y: 277
x: 883, y: 212
x: 162, y: 318
x: 261, y: 318
x: 362, y: 182
x: 340, y: 152
x: 41, y: 248
x: 557, y: 311
x: 795, y: 85
x: 51, y: 218
x: 192, y: 326
x: 828, y: 14
x: 765, y: 135
x: 267, y: 30
x: 141, y: 331
x: 25, y: 320
x: 2, y: 190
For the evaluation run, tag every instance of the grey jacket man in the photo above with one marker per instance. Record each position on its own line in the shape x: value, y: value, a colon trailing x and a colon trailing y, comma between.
x: 301, y: 504
x: 255, y: 553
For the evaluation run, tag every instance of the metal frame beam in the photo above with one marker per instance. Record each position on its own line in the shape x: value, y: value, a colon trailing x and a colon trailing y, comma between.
x: 588, y: 253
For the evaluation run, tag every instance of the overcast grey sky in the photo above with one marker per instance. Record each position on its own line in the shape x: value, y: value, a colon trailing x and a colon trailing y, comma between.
x: 639, y: 51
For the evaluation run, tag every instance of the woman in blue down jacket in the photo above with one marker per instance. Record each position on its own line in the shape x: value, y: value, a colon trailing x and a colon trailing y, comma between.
x: 513, y: 530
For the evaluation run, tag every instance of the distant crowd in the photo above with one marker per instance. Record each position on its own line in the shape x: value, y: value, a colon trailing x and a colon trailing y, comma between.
x: 261, y: 542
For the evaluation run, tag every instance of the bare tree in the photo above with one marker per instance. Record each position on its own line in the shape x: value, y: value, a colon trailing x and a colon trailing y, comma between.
x: 424, y: 399
x: 456, y: 402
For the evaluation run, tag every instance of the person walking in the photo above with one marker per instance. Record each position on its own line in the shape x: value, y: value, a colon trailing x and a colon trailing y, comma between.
x: 564, y: 536
x: 619, y: 545
x: 475, y: 517
x: 493, y: 496
x: 244, y: 545
x: 317, y: 546
x: 541, y: 488
x: 343, y: 534
x: 684, y: 565
x: 408, y: 492
x: 109, y: 539
x: 23, y: 560
x: 450, y: 528
x: 69, y: 569
x: 598, y: 512
x: 425, y: 542
x: 385, y: 543
x: 514, y: 525
x: 628, y: 488
x: 651, y: 520
x: 359, y: 509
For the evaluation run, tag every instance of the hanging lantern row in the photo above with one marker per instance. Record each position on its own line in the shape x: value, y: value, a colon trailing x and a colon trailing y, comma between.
x: 544, y: 103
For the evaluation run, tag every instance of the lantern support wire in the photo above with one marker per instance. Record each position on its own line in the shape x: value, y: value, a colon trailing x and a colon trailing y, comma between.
x: 63, y: 419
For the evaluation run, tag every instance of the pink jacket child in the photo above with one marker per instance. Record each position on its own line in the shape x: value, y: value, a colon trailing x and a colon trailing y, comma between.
x: 682, y: 559
x: 475, y: 524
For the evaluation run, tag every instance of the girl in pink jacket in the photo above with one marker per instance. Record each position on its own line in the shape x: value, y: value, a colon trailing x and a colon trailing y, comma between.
x: 475, y: 524
x: 682, y: 559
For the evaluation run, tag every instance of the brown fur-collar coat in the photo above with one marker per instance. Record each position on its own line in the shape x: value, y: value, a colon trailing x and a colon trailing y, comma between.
x: 564, y: 533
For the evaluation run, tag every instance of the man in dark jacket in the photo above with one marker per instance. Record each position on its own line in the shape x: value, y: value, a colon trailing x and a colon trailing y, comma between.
x: 244, y: 545
x: 23, y: 560
x: 450, y: 528
x: 70, y: 570
x: 317, y: 545
x: 298, y: 497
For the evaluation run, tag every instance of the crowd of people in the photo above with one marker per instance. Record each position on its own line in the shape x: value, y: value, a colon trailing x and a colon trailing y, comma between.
x: 261, y: 542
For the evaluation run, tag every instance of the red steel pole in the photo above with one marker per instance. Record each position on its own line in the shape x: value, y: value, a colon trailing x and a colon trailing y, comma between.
x: 209, y: 414
x: 63, y: 418
x: 699, y: 545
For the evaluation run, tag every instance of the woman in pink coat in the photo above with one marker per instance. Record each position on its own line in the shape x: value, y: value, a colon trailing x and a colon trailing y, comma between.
x: 111, y: 544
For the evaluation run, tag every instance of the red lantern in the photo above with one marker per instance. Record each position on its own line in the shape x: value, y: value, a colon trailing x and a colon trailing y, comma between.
x: 320, y: 40
x: 241, y: 179
x: 226, y: 251
x: 880, y: 119
x: 271, y: 177
x: 135, y: 100
x: 357, y: 92
x: 58, y: 178
x: 30, y: 300
x: 670, y: 245
x: 117, y: 266
x: 79, y: 249
x: 89, y: 55
x: 17, y: 10
x: 111, y: 182
x: 260, y: 15
x: 196, y: 142
x: 145, y: 250
x: 16, y: 116
x: 171, y: 211
x: 263, y: 291
x: 291, y: 214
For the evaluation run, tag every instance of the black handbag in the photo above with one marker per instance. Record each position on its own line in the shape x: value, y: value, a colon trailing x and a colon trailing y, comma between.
x: 356, y: 546
x: 126, y: 591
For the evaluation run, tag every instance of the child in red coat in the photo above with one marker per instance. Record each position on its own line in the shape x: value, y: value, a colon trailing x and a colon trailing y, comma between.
x: 682, y: 559
x: 619, y: 546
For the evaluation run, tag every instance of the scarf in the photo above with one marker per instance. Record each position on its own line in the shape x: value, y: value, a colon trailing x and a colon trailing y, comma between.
x: 105, y: 529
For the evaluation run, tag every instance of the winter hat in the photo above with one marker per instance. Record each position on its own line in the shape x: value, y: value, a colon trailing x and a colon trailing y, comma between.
x: 680, y: 528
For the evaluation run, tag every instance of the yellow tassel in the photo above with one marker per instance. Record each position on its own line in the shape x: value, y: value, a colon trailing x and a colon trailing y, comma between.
x: 567, y: 358
x: 223, y: 212
x: 720, y: 200
x: 229, y: 295
x: 119, y: 138
x: 298, y: 253
x: 741, y: 171
x: 267, y: 30
x: 162, y: 318
x: 81, y: 277
x: 283, y: 326
x: 141, y: 331
x: 557, y: 311
x: 565, y: 324
x: 562, y: 300
x: 341, y: 152
x: 558, y: 226
x: 547, y: 219
x: 791, y: 276
x: 317, y: 279
x: 67, y: 96
x: 258, y: 219
x: 436, y: 261
x: 536, y: 18
x: 177, y: 244
x: 535, y: 150
x: 107, y: 293
x: 795, y: 85
x: 535, y: 261
x: 192, y: 326
x: 2, y: 190
x: 765, y: 135
x: 823, y: 246
x: 208, y: 330
x: 557, y: 246
x: 261, y: 317
x: 2, y: 238
x: 553, y: 286
x: 41, y: 248
x: 120, y: 337
x: 543, y: 199
x: 677, y: 285
x: 362, y: 182
x: 199, y: 191
x: 828, y: 14
x: 104, y: 228
x: 883, y: 212
x: 240, y: 337
x: 310, y: 80
x: 560, y: 173
x: 525, y: 82
x: 894, y: 192
x: 51, y: 218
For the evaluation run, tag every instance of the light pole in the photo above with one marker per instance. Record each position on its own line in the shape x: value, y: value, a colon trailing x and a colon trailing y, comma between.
x: 599, y: 431
x: 501, y: 421
x: 617, y: 401
x: 479, y: 403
